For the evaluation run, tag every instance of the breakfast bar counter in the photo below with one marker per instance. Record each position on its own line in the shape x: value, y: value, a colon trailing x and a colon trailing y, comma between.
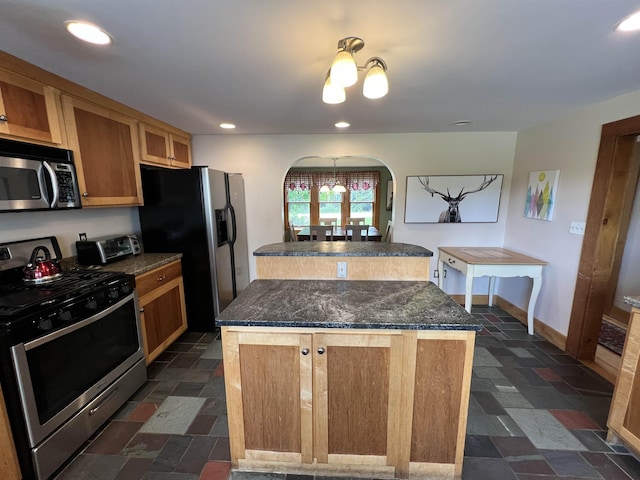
x: 347, y: 378
x: 347, y: 260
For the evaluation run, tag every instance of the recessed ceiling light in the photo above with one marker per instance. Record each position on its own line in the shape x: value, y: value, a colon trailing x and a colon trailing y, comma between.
x: 228, y: 126
x: 629, y: 24
x: 461, y: 123
x: 88, y: 32
x: 343, y: 124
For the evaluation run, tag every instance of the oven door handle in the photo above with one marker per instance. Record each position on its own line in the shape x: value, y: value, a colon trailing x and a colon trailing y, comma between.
x: 103, y: 401
x: 83, y: 323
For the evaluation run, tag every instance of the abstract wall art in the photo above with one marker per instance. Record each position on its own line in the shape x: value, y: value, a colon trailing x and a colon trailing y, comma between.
x: 541, y: 195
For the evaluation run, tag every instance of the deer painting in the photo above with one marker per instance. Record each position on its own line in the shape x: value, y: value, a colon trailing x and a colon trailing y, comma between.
x: 452, y: 213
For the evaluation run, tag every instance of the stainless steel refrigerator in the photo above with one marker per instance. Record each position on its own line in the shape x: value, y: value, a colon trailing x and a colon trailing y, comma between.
x: 200, y: 213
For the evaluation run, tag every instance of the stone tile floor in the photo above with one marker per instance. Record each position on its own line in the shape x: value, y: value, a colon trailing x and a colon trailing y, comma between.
x: 534, y: 414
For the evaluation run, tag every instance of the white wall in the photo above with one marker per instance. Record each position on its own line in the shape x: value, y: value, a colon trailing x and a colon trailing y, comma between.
x: 264, y: 161
x: 569, y: 144
x: 66, y: 224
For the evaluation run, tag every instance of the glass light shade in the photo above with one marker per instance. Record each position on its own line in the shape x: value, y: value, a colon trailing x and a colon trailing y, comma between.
x: 339, y: 188
x: 376, y: 84
x: 331, y: 93
x: 344, y: 71
x: 325, y: 188
x: 630, y: 24
x: 89, y: 33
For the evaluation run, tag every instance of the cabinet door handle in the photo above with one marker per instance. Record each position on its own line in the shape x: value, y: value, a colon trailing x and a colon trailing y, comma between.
x: 162, y: 278
x: 3, y: 118
x: 85, y: 194
x: 142, y: 310
x: 320, y: 350
x: 305, y: 351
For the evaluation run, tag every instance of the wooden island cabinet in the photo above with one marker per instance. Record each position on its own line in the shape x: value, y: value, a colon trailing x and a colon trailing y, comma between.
x: 624, y: 415
x: 354, y: 378
x: 348, y: 260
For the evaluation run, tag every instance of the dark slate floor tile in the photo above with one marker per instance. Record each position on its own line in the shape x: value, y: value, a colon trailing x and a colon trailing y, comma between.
x: 605, y: 466
x: 184, y: 360
x: 475, y: 468
x: 134, y: 469
x: 480, y: 446
x: 169, y: 476
x: 256, y: 476
x: 627, y: 463
x: 201, y: 425
x: 546, y: 397
x: 514, y: 446
x: 220, y: 451
x: 191, y: 337
x: 114, y: 438
x: 171, y: 454
x: 96, y: 467
x: 196, y: 456
x: 188, y: 389
x: 537, y: 466
x: 145, y: 445
x: 489, y: 403
x: 567, y: 463
x: 591, y: 440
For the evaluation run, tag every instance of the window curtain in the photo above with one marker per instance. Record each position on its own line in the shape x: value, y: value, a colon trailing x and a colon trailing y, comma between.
x: 353, y: 180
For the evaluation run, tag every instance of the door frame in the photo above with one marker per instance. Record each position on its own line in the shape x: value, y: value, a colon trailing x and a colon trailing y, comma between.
x: 610, y: 206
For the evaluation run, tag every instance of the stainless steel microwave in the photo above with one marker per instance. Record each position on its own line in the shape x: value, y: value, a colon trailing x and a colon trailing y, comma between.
x: 36, y: 177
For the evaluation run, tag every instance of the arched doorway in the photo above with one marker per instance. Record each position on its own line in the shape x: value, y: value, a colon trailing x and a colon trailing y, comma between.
x: 369, y: 194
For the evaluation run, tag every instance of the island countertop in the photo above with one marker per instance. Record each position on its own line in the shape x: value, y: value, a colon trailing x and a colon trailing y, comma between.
x: 404, y: 305
x: 342, y: 249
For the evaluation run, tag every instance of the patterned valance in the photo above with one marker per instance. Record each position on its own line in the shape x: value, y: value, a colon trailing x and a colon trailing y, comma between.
x: 353, y: 180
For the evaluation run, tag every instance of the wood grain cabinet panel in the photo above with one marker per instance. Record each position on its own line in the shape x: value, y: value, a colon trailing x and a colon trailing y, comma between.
x: 163, y: 148
x: 9, y: 467
x: 376, y: 403
x: 106, y: 152
x: 30, y: 110
x: 162, y: 308
x: 624, y: 414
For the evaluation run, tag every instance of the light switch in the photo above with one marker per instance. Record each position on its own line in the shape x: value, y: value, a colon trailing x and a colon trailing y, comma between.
x: 577, y: 228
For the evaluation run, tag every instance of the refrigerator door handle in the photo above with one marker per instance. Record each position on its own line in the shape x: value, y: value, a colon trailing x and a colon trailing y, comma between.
x: 234, y: 231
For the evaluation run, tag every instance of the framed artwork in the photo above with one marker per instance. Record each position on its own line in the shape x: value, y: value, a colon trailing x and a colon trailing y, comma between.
x: 389, y: 194
x: 453, y: 198
x: 541, y: 194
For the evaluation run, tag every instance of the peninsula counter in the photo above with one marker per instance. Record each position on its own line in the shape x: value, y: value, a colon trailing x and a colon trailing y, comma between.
x: 358, y: 261
x: 347, y: 378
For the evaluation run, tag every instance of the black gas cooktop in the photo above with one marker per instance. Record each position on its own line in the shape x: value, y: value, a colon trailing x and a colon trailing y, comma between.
x: 18, y: 298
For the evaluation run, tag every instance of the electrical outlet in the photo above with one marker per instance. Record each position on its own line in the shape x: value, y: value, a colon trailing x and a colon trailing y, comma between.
x: 577, y: 228
x: 82, y: 237
x: 342, y: 269
x: 436, y: 273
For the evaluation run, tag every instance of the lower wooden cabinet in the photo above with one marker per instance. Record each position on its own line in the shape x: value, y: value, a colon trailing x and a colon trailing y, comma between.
x: 9, y: 467
x: 624, y: 415
x: 163, y: 313
x: 375, y: 402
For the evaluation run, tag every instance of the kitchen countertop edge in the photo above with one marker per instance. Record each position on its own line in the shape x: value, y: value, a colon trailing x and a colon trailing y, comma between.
x: 341, y: 249
x: 132, y: 265
x: 633, y: 301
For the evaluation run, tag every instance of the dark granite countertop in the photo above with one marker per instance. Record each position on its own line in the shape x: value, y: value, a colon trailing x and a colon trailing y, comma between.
x: 134, y: 265
x: 633, y: 301
x: 342, y: 249
x: 347, y: 304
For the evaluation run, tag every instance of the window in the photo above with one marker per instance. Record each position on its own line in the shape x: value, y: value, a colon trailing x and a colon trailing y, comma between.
x: 305, y: 205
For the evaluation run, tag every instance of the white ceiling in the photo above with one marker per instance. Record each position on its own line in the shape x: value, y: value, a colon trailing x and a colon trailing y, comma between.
x: 502, y: 64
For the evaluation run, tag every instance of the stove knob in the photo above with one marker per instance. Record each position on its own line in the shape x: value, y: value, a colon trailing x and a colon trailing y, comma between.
x: 65, y: 315
x: 125, y: 288
x: 114, y: 293
x: 45, y: 324
x: 92, y: 304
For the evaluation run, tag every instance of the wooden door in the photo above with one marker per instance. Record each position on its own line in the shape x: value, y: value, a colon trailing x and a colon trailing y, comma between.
x: 268, y: 379
x: 357, y: 392
x: 181, y: 151
x: 29, y: 110
x: 106, y: 151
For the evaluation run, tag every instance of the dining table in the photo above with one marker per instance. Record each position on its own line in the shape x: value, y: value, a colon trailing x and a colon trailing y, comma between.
x: 339, y: 233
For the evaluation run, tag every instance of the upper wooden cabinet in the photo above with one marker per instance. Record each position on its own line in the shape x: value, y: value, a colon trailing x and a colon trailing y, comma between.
x: 164, y: 148
x: 29, y: 110
x: 107, y: 154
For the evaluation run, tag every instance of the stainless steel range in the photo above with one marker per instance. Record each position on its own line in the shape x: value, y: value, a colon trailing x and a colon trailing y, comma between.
x: 70, y: 354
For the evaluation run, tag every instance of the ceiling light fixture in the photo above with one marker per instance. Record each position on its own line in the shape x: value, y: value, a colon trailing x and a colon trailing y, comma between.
x: 88, y: 32
x: 337, y: 186
x: 629, y: 24
x: 342, y: 125
x: 344, y: 73
x: 227, y: 126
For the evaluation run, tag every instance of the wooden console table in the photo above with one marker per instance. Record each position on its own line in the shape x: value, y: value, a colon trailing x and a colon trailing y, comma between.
x: 492, y: 262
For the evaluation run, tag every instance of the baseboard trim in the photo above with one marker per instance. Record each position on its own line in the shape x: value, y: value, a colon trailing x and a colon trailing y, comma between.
x: 541, y: 328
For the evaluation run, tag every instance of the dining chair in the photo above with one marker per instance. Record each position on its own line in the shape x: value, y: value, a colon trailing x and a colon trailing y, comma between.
x: 329, y: 221
x: 356, y: 233
x: 293, y: 237
x: 319, y: 233
x: 387, y: 232
x: 355, y: 221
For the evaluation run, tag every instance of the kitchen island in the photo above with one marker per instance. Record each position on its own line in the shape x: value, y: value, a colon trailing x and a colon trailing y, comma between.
x: 348, y: 260
x: 347, y: 378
